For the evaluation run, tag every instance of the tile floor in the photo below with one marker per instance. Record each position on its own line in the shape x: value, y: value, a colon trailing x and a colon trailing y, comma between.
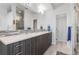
x: 77, y: 50
x: 60, y: 46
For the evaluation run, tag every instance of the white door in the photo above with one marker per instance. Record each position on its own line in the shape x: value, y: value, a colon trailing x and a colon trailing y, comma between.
x: 61, y: 27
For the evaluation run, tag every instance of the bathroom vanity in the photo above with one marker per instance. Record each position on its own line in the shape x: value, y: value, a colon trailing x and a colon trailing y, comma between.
x: 26, y: 44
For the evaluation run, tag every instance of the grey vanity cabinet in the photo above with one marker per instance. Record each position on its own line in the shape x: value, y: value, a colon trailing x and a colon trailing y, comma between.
x: 6, y: 49
x: 31, y: 46
x: 50, y: 38
x: 3, y: 49
x: 10, y: 49
x: 40, y: 45
x: 28, y: 47
x: 36, y: 46
x: 17, y: 48
x: 44, y: 43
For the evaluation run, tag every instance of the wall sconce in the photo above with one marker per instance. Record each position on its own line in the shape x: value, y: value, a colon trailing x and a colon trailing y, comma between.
x: 13, y: 21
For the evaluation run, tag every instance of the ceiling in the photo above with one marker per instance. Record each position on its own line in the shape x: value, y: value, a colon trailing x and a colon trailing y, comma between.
x: 57, y: 5
x: 5, y: 5
x: 35, y: 6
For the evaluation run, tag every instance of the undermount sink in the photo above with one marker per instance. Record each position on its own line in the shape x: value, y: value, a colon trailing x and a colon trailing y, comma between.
x: 9, y: 34
x: 4, y: 34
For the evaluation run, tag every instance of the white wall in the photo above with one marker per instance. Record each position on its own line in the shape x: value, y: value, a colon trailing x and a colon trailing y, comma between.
x: 10, y: 17
x: 44, y: 20
x: 28, y: 17
x: 2, y: 17
x: 6, y: 23
x: 69, y: 10
x: 49, y: 18
x: 63, y: 9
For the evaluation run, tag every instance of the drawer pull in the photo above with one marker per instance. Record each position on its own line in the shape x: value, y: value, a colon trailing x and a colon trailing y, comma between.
x: 19, y: 53
x: 19, y: 45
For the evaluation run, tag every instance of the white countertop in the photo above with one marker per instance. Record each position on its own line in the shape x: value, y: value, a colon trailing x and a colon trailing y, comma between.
x: 15, y: 38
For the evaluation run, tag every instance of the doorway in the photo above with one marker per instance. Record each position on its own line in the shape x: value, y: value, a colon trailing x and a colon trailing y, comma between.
x: 61, y: 28
x: 35, y: 24
x: 19, y: 19
x: 77, y: 34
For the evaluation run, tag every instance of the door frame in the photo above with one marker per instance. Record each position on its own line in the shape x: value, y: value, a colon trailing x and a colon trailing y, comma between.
x: 61, y: 15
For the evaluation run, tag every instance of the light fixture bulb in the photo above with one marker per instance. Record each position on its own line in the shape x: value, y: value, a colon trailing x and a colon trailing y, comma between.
x: 41, y: 9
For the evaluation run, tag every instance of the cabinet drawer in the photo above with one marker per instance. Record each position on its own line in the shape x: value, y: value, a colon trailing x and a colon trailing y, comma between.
x: 19, y: 48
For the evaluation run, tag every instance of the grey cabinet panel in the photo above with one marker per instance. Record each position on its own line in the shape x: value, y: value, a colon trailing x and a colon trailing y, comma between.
x: 49, y: 38
x: 33, y: 46
x: 3, y: 49
x: 28, y: 47
x: 10, y: 49
x: 36, y: 45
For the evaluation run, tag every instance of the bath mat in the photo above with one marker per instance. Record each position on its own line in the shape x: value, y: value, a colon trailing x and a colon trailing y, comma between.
x: 60, y: 53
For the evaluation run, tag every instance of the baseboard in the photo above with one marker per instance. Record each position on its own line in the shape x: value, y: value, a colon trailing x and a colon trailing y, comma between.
x: 53, y: 42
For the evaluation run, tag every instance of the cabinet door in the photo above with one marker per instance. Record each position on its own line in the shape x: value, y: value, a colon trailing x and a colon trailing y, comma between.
x: 36, y: 44
x: 33, y: 46
x: 50, y: 38
x: 28, y: 47
x: 45, y: 45
x: 39, y: 45
x: 42, y: 44
x: 47, y: 40
x: 10, y: 49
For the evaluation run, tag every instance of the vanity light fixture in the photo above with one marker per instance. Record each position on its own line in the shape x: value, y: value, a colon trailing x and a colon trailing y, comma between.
x: 19, y: 11
x: 13, y: 21
x: 17, y: 18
